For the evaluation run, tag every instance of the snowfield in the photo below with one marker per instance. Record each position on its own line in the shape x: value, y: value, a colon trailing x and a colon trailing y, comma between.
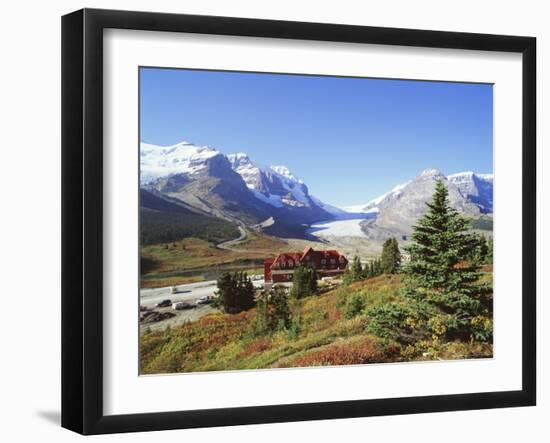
x: 338, y: 228
x: 163, y: 161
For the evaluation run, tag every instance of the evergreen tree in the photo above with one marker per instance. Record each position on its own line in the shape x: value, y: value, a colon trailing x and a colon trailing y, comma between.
x: 391, y: 257
x: 483, y: 248
x: 304, y: 282
x: 235, y: 292
x: 262, y: 325
x: 375, y: 268
x: 280, y: 311
x: 347, y: 278
x: 440, y: 275
x: 490, y: 247
x: 480, y: 252
x: 273, y: 312
x: 356, y: 269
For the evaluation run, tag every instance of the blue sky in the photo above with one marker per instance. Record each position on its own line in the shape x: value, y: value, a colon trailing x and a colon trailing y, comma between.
x: 348, y: 139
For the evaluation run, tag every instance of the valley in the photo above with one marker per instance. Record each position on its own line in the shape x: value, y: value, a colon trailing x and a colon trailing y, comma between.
x: 333, y: 221
x: 203, y: 213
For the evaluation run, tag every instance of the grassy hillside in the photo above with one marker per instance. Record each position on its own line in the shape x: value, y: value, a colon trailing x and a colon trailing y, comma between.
x: 194, y: 259
x: 324, y: 333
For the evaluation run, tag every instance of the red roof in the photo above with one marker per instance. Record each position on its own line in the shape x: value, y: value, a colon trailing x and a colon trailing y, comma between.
x: 298, y: 256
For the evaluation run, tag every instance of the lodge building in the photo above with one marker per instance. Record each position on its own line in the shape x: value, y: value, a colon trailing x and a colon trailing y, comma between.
x: 281, y: 269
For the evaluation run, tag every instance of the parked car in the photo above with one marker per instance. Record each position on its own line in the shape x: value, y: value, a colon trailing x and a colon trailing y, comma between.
x: 205, y: 300
x: 164, y: 303
x: 182, y: 305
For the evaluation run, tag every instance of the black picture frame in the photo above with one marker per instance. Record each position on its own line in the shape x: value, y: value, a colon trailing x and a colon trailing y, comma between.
x: 82, y: 218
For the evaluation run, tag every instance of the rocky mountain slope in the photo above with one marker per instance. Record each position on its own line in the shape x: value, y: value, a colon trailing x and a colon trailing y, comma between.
x: 230, y: 187
x: 399, y: 209
x: 477, y: 188
x: 234, y: 188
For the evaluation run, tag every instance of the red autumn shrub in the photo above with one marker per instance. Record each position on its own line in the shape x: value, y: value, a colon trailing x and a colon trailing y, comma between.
x: 366, y: 350
x: 259, y: 345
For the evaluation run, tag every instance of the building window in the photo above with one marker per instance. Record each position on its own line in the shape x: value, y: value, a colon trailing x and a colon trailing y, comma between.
x: 323, y: 261
x: 332, y: 261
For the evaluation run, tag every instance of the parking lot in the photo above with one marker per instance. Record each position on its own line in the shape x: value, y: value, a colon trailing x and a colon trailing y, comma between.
x: 189, y: 293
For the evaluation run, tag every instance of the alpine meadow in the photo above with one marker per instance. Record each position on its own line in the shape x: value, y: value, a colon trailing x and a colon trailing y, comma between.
x: 320, y: 230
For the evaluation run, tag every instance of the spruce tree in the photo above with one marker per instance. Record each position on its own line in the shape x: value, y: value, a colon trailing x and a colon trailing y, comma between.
x: 356, y: 269
x: 280, y: 311
x: 376, y: 267
x: 483, y: 248
x: 440, y: 274
x: 481, y: 251
x: 304, y: 282
x: 391, y: 257
x: 235, y: 292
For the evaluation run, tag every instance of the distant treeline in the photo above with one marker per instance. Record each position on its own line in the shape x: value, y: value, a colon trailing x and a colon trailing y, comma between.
x: 165, y: 227
x: 163, y: 222
x: 485, y: 224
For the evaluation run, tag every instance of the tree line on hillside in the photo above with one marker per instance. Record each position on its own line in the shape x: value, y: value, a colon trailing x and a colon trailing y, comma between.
x: 390, y: 260
x: 388, y: 263
x: 166, y: 227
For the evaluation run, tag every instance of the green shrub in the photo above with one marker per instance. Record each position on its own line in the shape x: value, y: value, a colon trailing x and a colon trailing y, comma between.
x: 355, y: 305
x: 388, y: 321
x: 482, y: 329
x: 294, y: 329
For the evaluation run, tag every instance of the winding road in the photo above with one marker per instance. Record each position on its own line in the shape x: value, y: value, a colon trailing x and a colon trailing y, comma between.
x: 227, y: 245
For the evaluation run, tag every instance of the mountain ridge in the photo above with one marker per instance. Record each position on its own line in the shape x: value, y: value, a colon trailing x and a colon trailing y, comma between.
x: 460, y: 177
x: 398, y: 210
x: 233, y: 187
x: 229, y: 186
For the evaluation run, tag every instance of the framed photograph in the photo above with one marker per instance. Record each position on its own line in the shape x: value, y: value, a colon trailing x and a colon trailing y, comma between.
x: 268, y: 221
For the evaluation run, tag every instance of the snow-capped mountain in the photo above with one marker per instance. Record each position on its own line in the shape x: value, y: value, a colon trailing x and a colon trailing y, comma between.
x: 234, y: 187
x: 181, y: 158
x: 228, y: 186
x: 277, y: 186
x: 399, y: 209
x: 274, y: 185
x: 372, y: 207
x: 477, y: 188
